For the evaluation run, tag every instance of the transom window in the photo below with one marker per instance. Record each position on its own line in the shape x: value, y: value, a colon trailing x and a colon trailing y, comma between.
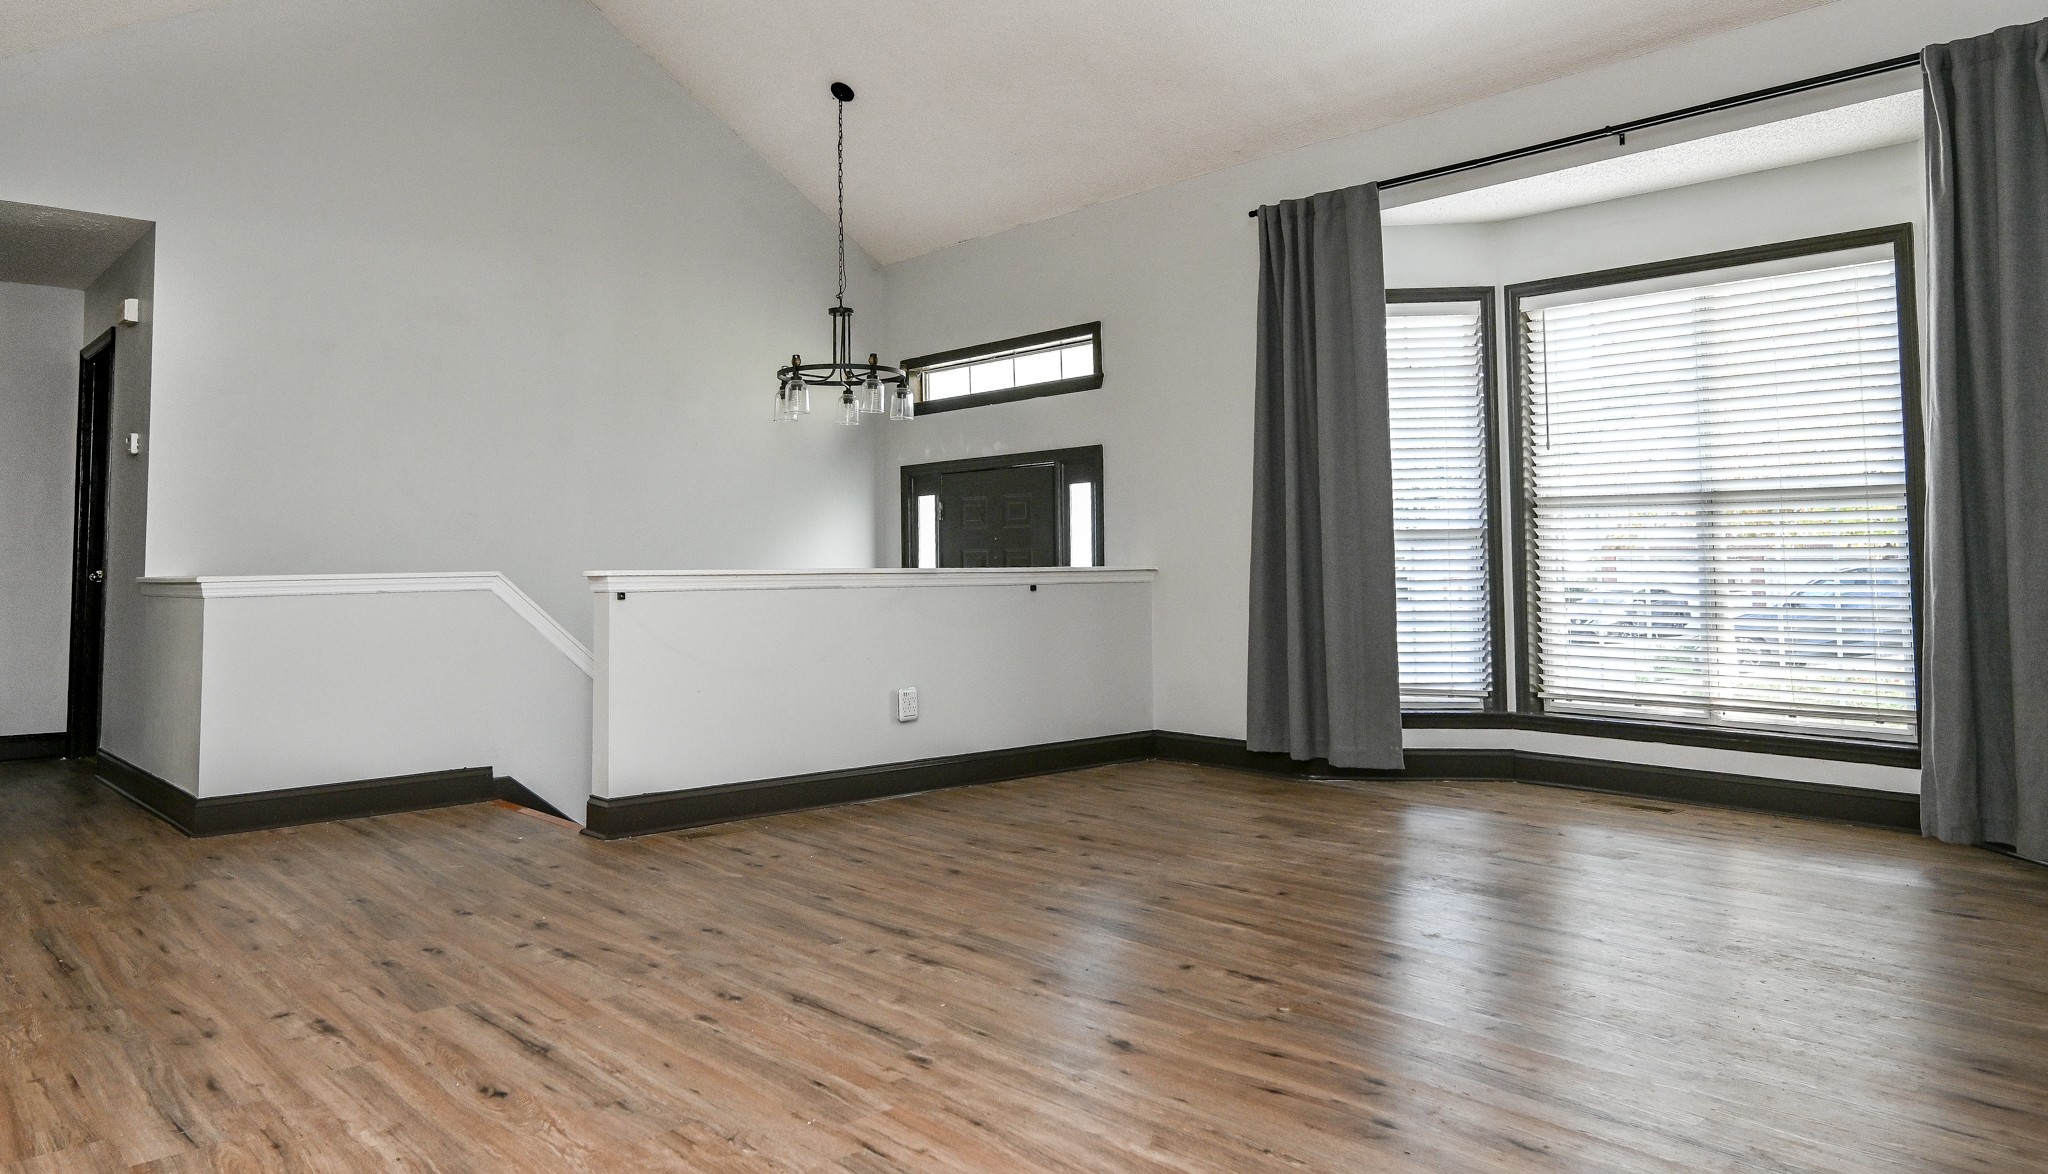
x: 1049, y: 363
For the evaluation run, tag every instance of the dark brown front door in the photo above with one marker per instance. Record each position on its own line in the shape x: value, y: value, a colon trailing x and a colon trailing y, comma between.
x: 89, y: 548
x: 1000, y: 518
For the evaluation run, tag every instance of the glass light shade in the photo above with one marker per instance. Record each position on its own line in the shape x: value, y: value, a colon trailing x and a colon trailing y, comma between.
x: 872, y: 399
x: 800, y: 397
x: 850, y: 408
x: 901, y: 406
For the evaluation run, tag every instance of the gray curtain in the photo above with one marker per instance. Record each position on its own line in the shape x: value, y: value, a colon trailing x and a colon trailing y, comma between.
x: 1985, y: 744
x: 1324, y: 670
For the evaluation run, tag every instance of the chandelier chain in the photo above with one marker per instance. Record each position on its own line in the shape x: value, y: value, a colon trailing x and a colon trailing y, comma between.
x: 842, y: 201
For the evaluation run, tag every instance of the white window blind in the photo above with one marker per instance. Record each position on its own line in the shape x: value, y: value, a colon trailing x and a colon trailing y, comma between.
x: 1716, y: 484
x: 1436, y: 390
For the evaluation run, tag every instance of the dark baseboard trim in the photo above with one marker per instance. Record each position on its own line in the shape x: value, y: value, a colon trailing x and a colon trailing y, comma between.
x: 1672, y: 734
x: 25, y: 747
x: 1232, y: 753
x: 639, y: 815
x: 164, y: 799
x: 666, y: 811
x: 263, y: 810
x: 1862, y: 805
x: 353, y: 800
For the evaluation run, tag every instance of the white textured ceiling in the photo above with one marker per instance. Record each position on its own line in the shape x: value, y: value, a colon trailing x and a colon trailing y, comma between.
x: 978, y: 115
x: 28, y: 25
x: 974, y: 116
x: 1845, y: 130
x: 56, y: 246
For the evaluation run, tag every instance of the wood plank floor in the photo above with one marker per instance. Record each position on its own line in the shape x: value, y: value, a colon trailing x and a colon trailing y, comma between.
x: 1144, y: 967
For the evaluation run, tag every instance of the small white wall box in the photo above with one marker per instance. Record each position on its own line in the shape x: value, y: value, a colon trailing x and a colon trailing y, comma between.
x: 906, y: 704
x: 131, y: 311
x: 135, y: 444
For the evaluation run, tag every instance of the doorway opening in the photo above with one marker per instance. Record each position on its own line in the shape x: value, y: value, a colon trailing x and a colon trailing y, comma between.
x: 73, y: 472
x: 1036, y: 509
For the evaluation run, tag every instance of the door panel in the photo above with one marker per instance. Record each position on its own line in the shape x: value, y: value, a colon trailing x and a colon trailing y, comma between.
x: 89, y: 548
x: 1000, y: 518
x: 1004, y: 497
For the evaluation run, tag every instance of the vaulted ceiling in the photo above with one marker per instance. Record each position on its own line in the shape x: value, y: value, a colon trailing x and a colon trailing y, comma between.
x: 974, y: 116
x: 28, y: 25
x: 978, y: 115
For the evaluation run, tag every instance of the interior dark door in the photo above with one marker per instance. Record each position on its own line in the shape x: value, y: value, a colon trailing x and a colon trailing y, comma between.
x: 1000, y: 518
x: 89, y: 547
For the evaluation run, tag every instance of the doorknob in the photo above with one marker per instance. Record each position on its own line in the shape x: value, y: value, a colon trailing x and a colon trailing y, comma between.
x: 96, y: 577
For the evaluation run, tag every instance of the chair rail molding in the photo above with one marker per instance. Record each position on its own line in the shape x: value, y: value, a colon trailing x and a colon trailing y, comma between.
x: 259, y: 586
x: 867, y: 577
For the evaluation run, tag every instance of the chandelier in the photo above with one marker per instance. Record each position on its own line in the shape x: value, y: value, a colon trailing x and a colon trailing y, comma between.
x: 860, y: 384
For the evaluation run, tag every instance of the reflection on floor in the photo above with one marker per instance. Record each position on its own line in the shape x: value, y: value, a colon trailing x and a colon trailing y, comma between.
x: 1143, y: 967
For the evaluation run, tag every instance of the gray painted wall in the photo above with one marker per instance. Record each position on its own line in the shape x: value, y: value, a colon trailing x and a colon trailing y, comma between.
x: 469, y: 285
x: 128, y: 700
x: 39, y: 340
x: 1868, y: 189
x: 1172, y: 275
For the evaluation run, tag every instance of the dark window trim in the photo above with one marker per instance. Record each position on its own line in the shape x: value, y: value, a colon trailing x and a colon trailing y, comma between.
x: 1901, y: 754
x: 1072, y: 465
x: 1496, y: 586
x: 1009, y: 395
x: 926, y: 407
x: 1899, y: 237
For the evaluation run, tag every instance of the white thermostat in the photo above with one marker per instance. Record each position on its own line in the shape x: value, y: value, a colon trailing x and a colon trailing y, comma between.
x: 906, y: 704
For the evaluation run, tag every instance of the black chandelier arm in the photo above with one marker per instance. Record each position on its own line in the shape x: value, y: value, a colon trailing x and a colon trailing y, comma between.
x: 842, y: 335
x: 823, y: 374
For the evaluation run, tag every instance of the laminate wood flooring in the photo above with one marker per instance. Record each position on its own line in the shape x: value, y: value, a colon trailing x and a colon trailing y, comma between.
x: 1146, y: 967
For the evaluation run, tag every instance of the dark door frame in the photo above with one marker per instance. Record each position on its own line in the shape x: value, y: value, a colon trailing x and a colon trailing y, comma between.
x: 89, y: 547
x: 1073, y: 465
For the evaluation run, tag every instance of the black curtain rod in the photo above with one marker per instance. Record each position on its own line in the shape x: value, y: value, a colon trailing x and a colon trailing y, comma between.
x: 1622, y: 130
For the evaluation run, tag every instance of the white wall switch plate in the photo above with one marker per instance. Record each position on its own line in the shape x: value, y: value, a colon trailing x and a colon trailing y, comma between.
x: 131, y: 311
x: 906, y: 704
